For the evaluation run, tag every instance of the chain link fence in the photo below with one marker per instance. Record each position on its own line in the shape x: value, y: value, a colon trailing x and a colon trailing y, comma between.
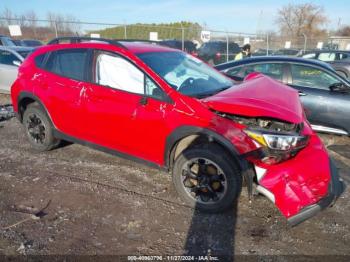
x: 261, y: 43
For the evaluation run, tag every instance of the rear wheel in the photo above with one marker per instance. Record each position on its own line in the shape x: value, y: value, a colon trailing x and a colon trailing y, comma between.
x: 207, y: 178
x: 39, y: 128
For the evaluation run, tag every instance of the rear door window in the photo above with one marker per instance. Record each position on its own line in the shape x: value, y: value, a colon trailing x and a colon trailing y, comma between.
x: 307, y: 76
x: 70, y: 63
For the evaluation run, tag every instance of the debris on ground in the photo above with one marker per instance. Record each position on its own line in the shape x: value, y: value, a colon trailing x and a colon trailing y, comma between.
x: 35, y: 213
x: 6, y: 112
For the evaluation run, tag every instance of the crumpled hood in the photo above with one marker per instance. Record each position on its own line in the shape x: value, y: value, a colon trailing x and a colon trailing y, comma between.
x: 260, y: 96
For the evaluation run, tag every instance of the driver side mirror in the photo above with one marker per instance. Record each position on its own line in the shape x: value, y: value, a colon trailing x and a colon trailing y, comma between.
x: 17, y: 63
x: 339, y: 87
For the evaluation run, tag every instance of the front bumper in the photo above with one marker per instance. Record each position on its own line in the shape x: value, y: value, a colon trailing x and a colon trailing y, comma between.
x: 303, y: 185
x: 336, y: 188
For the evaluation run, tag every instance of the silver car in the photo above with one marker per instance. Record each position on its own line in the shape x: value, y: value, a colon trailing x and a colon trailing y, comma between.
x: 10, y: 60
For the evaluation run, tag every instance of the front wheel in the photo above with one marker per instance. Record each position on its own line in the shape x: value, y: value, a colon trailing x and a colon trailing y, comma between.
x: 207, y: 178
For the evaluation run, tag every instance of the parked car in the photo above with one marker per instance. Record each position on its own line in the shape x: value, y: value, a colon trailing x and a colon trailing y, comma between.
x: 189, y: 46
x: 28, y: 42
x: 261, y: 52
x: 6, y: 41
x: 215, y: 52
x: 10, y: 59
x: 324, y: 94
x: 286, y: 52
x: 164, y: 107
x: 338, y: 59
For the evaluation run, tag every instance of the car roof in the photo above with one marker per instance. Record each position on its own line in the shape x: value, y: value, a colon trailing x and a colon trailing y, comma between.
x: 135, y: 47
x: 327, y: 51
x: 258, y: 59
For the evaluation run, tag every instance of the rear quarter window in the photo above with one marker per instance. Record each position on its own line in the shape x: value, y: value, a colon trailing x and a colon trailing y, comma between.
x: 70, y: 63
x: 39, y: 60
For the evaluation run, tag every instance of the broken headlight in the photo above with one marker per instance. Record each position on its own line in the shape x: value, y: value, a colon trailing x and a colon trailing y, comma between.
x: 277, y: 147
x: 278, y: 141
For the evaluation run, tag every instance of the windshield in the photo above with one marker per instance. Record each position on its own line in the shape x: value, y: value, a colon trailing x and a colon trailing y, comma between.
x: 186, y: 74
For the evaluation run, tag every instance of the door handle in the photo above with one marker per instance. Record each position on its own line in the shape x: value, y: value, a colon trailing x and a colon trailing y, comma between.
x: 301, y: 93
x: 144, y: 101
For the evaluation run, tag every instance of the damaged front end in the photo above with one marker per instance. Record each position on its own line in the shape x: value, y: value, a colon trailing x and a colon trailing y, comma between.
x: 291, y: 166
x: 276, y: 140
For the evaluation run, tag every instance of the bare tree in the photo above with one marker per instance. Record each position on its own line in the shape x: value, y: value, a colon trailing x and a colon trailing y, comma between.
x: 7, y: 15
x: 344, y: 31
x: 32, y: 21
x: 31, y: 18
x: 295, y: 20
x: 63, y: 24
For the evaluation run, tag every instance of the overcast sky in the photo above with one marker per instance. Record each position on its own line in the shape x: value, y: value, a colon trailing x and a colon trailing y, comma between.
x: 237, y: 16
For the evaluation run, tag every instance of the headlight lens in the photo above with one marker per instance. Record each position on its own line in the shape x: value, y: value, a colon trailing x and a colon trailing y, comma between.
x: 278, y: 141
x: 277, y: 147
x: 284, y: 142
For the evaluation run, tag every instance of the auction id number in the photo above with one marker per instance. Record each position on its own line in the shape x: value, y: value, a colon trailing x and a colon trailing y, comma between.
x: 172, y: 258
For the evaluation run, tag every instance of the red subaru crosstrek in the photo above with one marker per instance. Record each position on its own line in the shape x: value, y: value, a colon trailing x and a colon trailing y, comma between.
x: 164, y: 107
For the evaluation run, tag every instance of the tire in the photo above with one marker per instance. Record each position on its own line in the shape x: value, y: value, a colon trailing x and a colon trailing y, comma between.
x: 230, y: 180
x: 343, y: 74
x: 39, y: 129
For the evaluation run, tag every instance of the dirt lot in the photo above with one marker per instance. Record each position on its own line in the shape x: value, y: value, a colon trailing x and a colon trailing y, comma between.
x: 101, y: 204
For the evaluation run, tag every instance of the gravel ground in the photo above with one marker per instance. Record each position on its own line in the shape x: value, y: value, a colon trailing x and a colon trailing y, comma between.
x: 103, y: 205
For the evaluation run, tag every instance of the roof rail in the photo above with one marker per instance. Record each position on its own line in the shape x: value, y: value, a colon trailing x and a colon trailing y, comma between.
x: 137, y: 40
x: 79, y: 39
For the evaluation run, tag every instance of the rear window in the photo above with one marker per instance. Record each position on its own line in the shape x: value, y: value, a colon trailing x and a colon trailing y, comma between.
x: 70, y: 63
